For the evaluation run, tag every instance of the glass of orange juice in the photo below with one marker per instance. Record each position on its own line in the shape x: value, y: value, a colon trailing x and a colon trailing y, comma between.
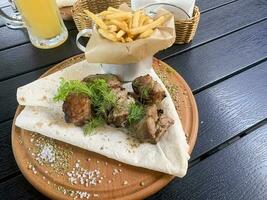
x: 43, y: 22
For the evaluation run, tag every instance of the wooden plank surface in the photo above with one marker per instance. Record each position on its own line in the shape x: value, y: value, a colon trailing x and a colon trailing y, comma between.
x: 230, y: 108
x: 210, y: 62
x: 221, y: 21
x: 7, y: 162
x: 237, y: 172
x: 205, y: 5
x: 27, y: 58
x: 9, y: 89
x: 18, y: 188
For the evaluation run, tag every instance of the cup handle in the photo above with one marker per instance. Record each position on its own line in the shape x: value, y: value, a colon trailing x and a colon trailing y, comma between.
x: 83, y: 33
x: 11, y: 22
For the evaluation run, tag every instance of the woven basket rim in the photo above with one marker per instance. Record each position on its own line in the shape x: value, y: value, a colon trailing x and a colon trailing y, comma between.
x: 195, y: 16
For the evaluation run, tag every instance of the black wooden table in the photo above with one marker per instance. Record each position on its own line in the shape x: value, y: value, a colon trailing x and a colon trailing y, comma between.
x: 226, y: 67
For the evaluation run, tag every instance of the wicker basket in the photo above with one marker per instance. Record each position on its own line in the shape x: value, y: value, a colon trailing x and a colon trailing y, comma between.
x: 185, y: 29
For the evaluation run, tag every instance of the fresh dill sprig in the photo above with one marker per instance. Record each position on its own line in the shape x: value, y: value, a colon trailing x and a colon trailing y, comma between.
x: 90, y: 126
x: 66, y: 87
x: 144, y: 92
x: 136, y: 113
x: 102, y: 97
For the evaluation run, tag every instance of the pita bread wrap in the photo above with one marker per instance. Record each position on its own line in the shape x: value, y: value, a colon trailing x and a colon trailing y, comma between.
x: 42, y: 115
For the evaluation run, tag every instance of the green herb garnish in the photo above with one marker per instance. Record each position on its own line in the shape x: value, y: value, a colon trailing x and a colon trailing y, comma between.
x: 136, y: 113
x: 102, y: 97
x: 144, y: 92
x: 66, y: 87
x: 90, y: 126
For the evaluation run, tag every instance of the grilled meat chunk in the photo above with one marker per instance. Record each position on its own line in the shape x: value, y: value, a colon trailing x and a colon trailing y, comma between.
x: 77, y: 109
x: 153, y: 126
x: 112, y: 80
x: 118, y: 116
x: 148, y: 90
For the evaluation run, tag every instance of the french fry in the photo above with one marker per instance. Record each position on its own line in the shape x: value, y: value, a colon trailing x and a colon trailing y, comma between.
x: 107, y: 35
x: 136, y: 17
x: 142, y: 20
x: 129, y: 23
x: 152, y: 25
x: 104, y: 13
x: 119, y: 16
x: 146, y: 34
x: 128, y: 39
x: 113, y: 28
x: 122, y: 40
x: 96, y: 19
x: 121, y: 24
x: 148, y: 20
x: 120, y: 34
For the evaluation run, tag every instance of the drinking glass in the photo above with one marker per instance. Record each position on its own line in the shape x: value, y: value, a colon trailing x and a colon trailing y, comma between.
x: 42, y: 20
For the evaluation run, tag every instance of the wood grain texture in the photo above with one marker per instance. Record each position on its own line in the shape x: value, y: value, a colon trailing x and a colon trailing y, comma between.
x: 9, y: 87
x: 208, y: 4
x: 220, y: 21
x: 27, y: 58
x: 18, y: 188
x: 212, y: 61
x: 231, y: 107
x: 238, y: 172
x: 7, y: 162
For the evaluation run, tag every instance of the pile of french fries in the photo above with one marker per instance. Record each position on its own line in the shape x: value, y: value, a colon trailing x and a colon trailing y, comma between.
x: 121, y: 26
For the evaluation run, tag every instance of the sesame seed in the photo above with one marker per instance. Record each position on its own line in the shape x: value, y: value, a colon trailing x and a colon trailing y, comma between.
x: 142, y: 183
x: 125, y: 182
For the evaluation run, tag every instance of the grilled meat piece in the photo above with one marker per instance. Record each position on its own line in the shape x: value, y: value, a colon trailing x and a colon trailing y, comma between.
x: 153, y: 126
x: 118, y: 116
x: 112, y: 80
x: 148, y: 90
x: 77, y: 109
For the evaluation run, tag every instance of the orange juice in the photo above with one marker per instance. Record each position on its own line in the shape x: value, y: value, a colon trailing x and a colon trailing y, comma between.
x: 41, y: 17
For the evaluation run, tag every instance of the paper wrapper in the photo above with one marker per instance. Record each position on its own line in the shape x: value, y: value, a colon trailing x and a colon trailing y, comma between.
x: 43, y: 116
x: 101, y: 50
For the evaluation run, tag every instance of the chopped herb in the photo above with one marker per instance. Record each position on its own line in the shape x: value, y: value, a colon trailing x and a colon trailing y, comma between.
x: 103, y: 98
x: 144, y: 92
x: 136, y: 113
x: 90, y: 126
x: 66, y: 87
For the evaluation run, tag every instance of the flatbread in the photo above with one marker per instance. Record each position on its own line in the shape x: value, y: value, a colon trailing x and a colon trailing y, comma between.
x: 44, y: 116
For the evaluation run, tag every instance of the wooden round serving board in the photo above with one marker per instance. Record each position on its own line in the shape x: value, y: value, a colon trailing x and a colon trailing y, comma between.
x: 116, y: 180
